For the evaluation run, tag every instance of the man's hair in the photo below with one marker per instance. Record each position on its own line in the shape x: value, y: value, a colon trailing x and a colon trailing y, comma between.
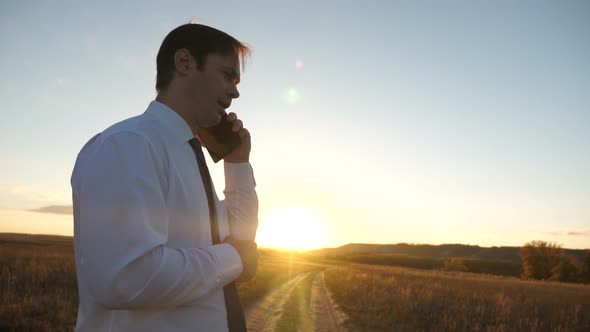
x: 200, y: 40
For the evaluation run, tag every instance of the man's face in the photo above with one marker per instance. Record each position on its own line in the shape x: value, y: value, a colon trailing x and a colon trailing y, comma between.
x: 212, y: 88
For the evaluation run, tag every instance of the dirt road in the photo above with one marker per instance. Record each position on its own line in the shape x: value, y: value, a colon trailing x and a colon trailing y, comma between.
x: 264, y: 315
x: 326, y: 316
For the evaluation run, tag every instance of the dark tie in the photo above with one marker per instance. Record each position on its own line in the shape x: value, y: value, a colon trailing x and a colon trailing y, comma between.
x: 235, y: 313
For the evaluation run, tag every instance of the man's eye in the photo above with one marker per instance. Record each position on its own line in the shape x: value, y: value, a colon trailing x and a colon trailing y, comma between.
x: 228, y: 77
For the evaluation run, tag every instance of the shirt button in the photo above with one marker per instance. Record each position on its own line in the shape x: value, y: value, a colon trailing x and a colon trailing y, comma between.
x: 218, y: 280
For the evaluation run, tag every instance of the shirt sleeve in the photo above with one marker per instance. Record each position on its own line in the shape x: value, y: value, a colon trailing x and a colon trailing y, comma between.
x: 119, y: 187
x: 241, y: 200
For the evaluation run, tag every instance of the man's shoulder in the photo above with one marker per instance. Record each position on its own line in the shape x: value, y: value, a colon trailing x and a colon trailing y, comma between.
x: 140, y: 130
x: 134, y: 135
x: 134, y: 143
x: 141, y: 125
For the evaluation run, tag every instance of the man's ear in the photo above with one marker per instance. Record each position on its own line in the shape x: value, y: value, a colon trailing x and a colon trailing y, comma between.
x: 184, y: 62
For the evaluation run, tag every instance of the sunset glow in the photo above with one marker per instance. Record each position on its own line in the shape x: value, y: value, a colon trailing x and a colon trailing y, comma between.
x: 380, y: 122
x: 291, y: 228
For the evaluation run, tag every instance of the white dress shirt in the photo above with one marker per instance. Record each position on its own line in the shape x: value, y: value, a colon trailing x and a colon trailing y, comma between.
x: 144, y: 255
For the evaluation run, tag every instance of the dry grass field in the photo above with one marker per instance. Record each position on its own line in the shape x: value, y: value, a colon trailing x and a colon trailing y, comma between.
x: 38, y: 293
x: 400, y: 299
x: 38, y: 289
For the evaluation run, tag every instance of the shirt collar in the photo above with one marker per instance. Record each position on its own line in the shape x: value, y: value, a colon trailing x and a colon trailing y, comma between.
x: 173, y: 122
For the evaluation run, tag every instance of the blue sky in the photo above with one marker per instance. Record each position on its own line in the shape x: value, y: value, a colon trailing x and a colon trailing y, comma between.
x: 415, y: 121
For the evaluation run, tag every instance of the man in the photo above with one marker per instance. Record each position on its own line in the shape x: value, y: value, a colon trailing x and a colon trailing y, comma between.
x: 147, y: 223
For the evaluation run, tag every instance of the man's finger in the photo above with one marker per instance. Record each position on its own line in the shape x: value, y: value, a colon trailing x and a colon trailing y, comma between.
x: 244, y: 133
x: 238, y: 124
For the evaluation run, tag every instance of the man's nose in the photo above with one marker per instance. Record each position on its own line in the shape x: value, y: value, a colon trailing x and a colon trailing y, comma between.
x: 233, y: 92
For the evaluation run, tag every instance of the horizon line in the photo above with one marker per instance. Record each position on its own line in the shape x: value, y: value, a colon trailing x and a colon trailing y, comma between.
x: 336, y: 247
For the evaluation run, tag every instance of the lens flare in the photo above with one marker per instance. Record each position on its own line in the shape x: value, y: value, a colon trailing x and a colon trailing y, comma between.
x: 291, y: 95
x: 298, y: 64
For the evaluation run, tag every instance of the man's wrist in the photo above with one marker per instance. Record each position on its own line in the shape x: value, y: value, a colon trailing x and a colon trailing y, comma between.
x: 239, y: 177
x: 237, y: 161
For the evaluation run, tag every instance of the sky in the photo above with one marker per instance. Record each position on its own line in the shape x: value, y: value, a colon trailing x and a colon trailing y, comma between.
x: 372, y: 121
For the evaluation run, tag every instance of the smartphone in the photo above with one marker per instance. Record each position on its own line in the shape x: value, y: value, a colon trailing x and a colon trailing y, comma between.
x: 220, y: 140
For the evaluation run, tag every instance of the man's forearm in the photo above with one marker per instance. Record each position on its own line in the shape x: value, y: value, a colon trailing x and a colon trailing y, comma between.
x: 241, y: 201
x: 163, y: 277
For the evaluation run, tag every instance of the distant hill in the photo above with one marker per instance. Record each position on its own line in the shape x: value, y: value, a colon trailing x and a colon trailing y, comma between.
x: 413, y: 250
x: 35, y: 239
x: 433, y: 251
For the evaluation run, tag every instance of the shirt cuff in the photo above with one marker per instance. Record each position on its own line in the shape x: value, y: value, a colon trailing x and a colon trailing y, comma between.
x: 239, y: 177
x: 229, y: 263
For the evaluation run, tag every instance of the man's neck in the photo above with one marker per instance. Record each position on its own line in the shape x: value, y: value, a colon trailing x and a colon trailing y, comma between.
x: 181, y: 109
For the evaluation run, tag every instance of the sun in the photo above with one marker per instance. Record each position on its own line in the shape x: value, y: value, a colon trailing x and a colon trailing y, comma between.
x: 291, y: 228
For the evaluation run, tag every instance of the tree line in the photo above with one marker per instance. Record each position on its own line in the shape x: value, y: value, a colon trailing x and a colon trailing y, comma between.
x: 535, y: 260
x: 547, y: 261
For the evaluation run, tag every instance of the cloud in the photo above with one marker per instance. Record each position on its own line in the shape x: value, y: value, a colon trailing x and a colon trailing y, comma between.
x: 55, y: 209
x: 14, y: 196
x: 583, y: 233
x: 569, y: 233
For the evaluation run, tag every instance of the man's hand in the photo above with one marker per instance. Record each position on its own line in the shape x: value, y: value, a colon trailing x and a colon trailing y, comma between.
x: 242, y: 153
x: 248, y: 251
